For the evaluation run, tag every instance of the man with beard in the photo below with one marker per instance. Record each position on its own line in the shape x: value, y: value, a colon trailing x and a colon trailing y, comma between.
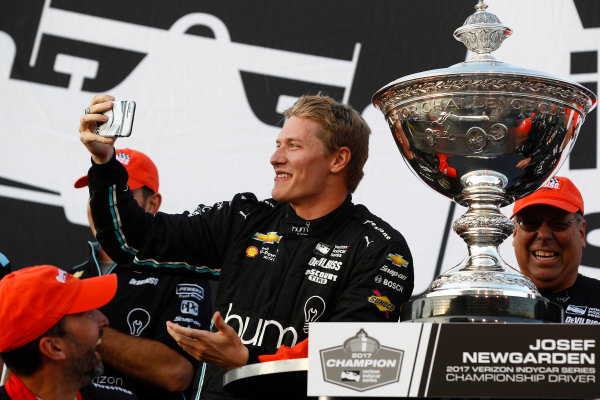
x: 50, y: 330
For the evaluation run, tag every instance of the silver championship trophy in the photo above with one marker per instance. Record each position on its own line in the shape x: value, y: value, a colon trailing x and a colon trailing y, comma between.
x: 483, y: 133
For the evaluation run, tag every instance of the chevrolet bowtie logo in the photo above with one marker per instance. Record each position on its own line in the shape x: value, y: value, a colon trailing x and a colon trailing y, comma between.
x: 269, y: 238
x: 397, y: 260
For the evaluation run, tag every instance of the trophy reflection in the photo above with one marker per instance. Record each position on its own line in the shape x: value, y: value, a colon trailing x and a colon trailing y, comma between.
x: 483, y: 133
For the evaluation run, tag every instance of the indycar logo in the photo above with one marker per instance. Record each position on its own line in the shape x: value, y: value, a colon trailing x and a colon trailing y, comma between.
x: 269, y: 238
x: 577, y: 310
x: 397, y: 260
x: 322, y: 249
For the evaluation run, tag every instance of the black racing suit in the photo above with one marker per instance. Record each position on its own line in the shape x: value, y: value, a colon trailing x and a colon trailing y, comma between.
x: 144, y: 302
x: 581, y: 301
x: 277, y: 272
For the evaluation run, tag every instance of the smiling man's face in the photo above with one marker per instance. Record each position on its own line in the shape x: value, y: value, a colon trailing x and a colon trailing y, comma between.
x: 83, y: 333
x: 549, y: 257
x: 300, y: 163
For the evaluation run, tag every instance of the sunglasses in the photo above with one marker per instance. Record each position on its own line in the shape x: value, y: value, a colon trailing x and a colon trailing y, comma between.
x: 532, y: 225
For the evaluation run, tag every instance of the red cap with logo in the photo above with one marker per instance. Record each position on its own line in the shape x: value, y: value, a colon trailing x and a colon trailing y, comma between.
x: 34, y: 299
x: 558, y: 192
x: 140, y: 168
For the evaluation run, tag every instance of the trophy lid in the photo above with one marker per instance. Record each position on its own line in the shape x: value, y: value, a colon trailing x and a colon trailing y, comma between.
x: 483, y: 33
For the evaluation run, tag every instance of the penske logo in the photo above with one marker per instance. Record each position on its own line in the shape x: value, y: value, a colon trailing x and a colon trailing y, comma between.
x: 381, y: 302
x: 397, y: 260
x: 269, y: 238
x: 251, y: 251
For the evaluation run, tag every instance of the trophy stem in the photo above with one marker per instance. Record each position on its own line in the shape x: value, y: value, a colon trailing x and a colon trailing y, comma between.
x: 482, y: 288
x: 483, y: 227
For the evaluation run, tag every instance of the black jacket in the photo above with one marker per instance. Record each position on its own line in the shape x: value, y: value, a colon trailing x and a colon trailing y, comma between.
x: 581, y: 301
x: 277, y: 271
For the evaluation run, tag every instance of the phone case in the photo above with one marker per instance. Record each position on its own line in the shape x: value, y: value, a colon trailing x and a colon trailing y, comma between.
x: 120, y: 120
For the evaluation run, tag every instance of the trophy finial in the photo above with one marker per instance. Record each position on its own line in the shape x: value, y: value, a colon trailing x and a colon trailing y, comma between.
x: 481, y: 6
x: 482, y: 32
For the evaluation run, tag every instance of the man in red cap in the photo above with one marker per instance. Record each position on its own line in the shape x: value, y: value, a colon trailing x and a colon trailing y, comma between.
x: 549, y: 239
x: 138, y: 353
x: 50, y: 330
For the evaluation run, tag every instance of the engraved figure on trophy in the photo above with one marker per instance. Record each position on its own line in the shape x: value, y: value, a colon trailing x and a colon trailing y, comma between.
x: 483, y: 133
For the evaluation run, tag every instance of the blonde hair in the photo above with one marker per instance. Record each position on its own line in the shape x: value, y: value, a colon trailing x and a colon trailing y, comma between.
x: 341, y: 125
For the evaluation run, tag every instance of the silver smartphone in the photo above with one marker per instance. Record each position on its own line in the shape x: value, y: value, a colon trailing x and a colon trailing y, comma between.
x: 120, y: 120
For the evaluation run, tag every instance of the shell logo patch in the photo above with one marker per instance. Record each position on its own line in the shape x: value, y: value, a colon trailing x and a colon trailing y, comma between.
x: 251, y: 251
x: 397, y: 260
x: 269, y: 238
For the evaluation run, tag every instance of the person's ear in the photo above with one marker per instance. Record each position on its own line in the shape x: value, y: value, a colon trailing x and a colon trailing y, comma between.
x: 53, y: 348
x: 341, y: 158
x: 582, y: 233
x: 153, y: 203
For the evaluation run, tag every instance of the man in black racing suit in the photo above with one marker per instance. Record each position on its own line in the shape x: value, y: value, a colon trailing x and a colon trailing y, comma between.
x: 309, y: 254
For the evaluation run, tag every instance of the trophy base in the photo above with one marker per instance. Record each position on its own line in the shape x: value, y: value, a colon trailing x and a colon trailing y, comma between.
x: 481, y: 308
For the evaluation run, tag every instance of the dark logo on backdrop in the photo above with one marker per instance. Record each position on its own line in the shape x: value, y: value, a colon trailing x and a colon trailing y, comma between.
x: 362, y: 363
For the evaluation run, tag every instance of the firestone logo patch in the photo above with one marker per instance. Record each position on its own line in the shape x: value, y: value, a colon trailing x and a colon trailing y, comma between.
x: 362, y: 363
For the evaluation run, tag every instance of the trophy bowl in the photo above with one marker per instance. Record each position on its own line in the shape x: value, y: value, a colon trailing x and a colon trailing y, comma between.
x: 483, y: 133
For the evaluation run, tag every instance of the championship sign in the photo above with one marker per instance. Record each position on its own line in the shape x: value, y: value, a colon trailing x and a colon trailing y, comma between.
x: 453, y: 360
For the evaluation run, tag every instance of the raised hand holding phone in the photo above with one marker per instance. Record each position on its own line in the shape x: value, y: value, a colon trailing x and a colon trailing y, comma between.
x: 120, y: 120
x: 100, y: 147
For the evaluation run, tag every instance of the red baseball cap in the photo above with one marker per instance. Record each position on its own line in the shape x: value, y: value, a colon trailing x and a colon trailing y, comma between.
x: 558, y: 192
x: 34, y: 299
x: 140, y: 168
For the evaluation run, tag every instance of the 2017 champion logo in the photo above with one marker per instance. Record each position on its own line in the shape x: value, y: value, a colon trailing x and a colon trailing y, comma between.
x: 362, y: 363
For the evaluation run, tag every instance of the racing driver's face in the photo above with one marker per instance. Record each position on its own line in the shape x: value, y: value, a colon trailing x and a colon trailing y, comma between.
x: 301, y: 165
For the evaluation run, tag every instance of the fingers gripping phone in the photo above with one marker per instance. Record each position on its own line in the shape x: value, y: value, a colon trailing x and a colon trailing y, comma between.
x: 120, y: 120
